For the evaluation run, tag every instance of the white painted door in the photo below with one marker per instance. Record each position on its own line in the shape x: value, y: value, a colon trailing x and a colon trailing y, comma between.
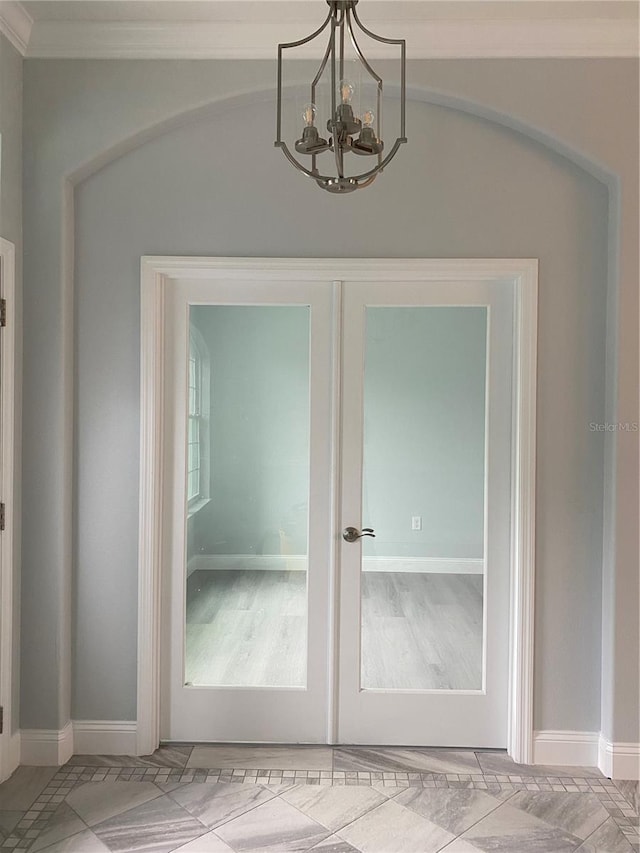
x: 426, y: 450
x: 251, y: 467
x: 259, y: 409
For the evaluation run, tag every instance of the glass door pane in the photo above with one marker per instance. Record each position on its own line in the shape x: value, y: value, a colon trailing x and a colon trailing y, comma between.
x: 247, y: 496
x: 424, y: 492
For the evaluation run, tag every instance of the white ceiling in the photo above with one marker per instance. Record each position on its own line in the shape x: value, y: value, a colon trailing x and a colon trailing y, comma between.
x: 241, y: 10
x: 252, y: 28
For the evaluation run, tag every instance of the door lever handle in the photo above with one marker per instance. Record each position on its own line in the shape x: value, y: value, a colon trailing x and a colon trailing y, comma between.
x: 352, y: 534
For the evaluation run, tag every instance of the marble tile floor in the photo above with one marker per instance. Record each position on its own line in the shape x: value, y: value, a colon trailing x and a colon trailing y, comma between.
x: 232, y: 799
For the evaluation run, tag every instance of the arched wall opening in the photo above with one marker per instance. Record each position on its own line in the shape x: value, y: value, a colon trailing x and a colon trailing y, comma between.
x: 468, y: 185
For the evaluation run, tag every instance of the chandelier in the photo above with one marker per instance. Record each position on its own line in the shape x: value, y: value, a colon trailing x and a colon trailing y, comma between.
x: 350, y: 129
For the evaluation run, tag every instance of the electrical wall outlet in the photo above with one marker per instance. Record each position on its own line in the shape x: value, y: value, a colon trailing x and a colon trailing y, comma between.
x: 416, y: 522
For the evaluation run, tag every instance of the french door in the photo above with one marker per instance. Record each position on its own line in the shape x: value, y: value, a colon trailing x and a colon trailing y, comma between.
x: 340, y: 468
x: 249, y: 600
x: 426, y: 425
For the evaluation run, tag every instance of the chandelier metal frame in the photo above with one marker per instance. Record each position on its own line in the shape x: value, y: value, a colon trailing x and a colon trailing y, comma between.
x: 342, y: 124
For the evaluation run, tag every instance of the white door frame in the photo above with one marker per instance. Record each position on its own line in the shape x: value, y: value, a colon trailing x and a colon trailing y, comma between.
x: 9, y: 744
x: 157, y: 275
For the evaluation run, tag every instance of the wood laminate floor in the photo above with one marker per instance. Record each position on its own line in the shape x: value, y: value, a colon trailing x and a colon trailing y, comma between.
x: 419, y: 631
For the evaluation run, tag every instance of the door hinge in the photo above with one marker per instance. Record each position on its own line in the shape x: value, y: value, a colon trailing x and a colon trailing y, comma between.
x: 2, y: 516
x: 1, y: 719
x: 3, y: 312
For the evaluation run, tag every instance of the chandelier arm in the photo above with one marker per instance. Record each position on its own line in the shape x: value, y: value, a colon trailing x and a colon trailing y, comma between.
x: 306, y: 40
x: 363, y: 177
x: 279, y: 99
x: 337, y: 150
x: 368, y: 182
x: 371, y: 34
x: 343, y: 17
x: 334, y: 132
x: 361, y: 55
x: 383, y: 164
x: 323, y: 65
x: 372, y: 73
x: 403, y: 87
x: 316, y: 176
x: 403, y: 64
x: 299, y: 166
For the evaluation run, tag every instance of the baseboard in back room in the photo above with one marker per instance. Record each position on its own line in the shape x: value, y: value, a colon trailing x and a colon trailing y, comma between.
x: 298, y: 563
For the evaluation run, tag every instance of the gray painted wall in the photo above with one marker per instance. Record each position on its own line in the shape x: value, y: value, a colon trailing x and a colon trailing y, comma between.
x: 168, y: 197
x: 463, y: 187
x: 11, y: 229
x: 259, y: 429
x: 424, y: 433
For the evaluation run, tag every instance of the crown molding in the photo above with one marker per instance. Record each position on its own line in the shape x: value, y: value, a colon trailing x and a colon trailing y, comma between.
x: 441, y: 39
x: 16, y: 24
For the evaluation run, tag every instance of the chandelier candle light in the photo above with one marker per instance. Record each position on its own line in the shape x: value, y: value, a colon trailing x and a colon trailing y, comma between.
x: 347, y: 132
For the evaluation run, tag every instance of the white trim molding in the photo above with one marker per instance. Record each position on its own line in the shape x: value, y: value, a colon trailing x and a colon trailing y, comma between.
x: 52, y: 747
x: 424, y: 565
x: 151, y: 523
x: 14, y: 751
x: 452, y: 36
x: 157, y: 276
x: 299, y: 563
x: 46, y: 747
x: 523, y: 511
x: 16, y: 24
x: 619, y: 760
x: 567, y: 748
x: 7, y: 465
x: 587, y: 749
x: 104, y: 737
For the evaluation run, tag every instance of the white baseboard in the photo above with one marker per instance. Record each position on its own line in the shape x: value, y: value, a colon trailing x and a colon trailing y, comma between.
x: 10, y: 754
x: 568, y: 748
x: 295, y: 562
x: 587, y: 749
x: 52, y: 748
x: 257, y: 562
x: 46, y: 747
x: 619, y: 760
x: 14, y: 751
x: 49, y: 747
x: 424, y: 565
x: 104, y: 737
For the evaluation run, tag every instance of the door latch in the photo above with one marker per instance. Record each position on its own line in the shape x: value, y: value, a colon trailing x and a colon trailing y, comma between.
x: 352, y: 534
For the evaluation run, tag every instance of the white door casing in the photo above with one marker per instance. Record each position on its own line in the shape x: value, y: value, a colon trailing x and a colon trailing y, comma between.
x: 159, y: 279
x: 9, y: 746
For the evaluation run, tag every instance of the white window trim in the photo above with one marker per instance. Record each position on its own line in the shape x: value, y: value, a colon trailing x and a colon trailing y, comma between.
x: 199, y: 501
